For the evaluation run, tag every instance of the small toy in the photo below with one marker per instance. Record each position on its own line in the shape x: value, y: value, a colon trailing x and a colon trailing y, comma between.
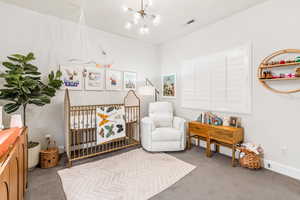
x: 297, y: 72
x: 268, y: 74
x: 282, y: 62
x: 289, y: 75
x: 218, y: 121
x: 271, y: 63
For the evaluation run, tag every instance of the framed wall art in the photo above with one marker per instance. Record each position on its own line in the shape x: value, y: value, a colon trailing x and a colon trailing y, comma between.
x: 235, y: 122
x: 169, y: 86
x: 95, y: 78
x: 114, y: 79
x: 130, y: 80
x: 72, y: 77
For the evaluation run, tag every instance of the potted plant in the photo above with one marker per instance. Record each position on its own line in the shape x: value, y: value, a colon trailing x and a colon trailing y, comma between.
x: 23, y: 86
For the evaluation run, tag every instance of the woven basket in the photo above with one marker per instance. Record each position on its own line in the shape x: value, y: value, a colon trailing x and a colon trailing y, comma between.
x: 49, y: 157
x: 250, y: 160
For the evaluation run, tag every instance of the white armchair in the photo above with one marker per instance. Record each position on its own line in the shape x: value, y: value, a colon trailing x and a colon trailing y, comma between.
x: 161, y: 131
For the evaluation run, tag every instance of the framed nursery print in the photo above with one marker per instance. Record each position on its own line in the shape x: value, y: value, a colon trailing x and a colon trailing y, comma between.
x: 72, y: 77
x: 169, y: 86
x: 114, y: 79
x: 129, y: 80
x: 95, y: 78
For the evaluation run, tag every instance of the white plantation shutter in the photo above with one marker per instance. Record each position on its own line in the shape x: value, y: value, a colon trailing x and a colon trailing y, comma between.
x: 219, y: 82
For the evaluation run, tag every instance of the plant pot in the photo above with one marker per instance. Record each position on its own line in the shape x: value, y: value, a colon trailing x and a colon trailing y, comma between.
x: 33, y: 156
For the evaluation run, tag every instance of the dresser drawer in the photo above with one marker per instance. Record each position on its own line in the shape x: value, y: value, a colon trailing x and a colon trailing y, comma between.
x: 199, y: 126
x: 198, y: 130
x: 222, y: 135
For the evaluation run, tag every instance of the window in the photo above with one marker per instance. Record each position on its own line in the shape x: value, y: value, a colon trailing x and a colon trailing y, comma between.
x: 219, y: 82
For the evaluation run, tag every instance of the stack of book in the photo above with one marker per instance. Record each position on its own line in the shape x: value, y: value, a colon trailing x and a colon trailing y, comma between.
x: 210, y: 118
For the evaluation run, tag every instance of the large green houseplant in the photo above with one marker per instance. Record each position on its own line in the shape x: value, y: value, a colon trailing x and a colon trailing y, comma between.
x: 23, y: 85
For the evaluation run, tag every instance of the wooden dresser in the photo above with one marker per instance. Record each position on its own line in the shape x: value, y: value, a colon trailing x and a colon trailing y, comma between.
x: 218, y: 135
x: 13, y: 168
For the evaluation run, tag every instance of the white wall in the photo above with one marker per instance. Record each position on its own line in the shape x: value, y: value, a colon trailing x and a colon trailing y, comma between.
x: 274, y: 122
x: 54, y: 41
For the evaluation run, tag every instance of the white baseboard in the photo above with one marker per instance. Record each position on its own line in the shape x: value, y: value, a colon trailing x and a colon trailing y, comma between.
x: 268, y: 164
x: 282, y: 169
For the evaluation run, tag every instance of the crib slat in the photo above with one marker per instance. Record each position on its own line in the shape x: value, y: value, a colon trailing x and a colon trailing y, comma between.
x: 84, y: 133
x: 135, y: 132
x: 94, y: 133
x: 79, y: 130
x: 90, y: 140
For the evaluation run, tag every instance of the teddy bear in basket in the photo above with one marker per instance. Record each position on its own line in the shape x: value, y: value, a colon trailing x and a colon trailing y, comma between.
x: 49, y: 157
x: 250, y: 155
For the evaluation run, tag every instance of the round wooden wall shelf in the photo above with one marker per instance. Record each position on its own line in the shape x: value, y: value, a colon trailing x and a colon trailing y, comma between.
x: 266, y: 65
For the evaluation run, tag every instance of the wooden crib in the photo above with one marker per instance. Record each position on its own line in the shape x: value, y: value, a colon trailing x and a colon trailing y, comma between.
x: 81, y: 128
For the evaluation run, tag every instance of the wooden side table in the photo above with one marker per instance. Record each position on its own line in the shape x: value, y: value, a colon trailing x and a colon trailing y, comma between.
x: 218, y: 135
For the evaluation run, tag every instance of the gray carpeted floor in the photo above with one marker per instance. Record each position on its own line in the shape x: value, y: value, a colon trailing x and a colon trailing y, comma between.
x: 213, y: 179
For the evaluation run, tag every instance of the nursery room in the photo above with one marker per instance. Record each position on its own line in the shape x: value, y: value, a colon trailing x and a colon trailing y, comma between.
x: 149, y: 99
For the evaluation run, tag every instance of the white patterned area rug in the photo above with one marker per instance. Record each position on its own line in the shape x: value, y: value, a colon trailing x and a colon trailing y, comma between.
x: 134, y: 175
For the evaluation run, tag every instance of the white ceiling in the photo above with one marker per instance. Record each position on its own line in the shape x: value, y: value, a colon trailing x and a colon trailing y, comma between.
x: 107, y: 15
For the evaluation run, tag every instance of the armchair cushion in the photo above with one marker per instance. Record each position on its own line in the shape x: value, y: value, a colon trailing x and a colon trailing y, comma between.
x: 148, y: 124
x: 179, y: 123
x: 161, y: 113
x: 166, y: 134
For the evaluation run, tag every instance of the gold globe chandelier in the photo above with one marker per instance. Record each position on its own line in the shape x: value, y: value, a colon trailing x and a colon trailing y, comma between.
x: 142, y: 18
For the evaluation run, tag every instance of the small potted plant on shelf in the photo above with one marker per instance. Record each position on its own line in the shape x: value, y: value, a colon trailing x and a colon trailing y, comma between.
x: 23, y: 86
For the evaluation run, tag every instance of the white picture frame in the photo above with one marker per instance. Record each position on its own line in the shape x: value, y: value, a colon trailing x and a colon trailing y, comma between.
x: 168, y: 85
x: 114, y: 79
x: 72, y: 77
x: 129, y: 80
x: 95, y: 79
